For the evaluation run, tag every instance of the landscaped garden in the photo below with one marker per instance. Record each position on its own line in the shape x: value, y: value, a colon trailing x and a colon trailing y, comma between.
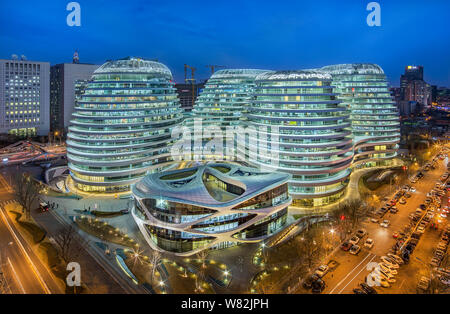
x: 103, y: 230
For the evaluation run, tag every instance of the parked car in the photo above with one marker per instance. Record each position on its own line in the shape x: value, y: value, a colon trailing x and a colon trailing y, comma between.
x: 321, y: 270
x: 396, y: 258
x: 354, y: 240
x: 346, y: 246
x: 369, y: 243
x: 387, y: 275
x: 355, y: 249
x: 424, y: 283
x: 377, y: 279
x: 318, y: 286
x: 385, y: 223
x: 307, y: 283
x: 388, y: 268
x: 389, y: 261
x: 43, y: 207
x: 359, y: 291
x: 361, y: 233
x: 368, y: 289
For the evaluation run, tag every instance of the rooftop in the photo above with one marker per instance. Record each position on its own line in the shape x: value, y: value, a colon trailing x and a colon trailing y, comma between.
x: 190, y: 185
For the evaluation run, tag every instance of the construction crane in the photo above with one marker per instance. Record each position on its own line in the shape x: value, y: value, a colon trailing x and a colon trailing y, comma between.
x: 214, y: 67
x: 192, y: 79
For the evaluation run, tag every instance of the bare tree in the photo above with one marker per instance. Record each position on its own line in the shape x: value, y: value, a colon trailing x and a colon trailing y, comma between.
x: 26, y: 192
x: 155, y: 259
x: 309, y: 247
x: 68, y: 245
x: 202, y: 256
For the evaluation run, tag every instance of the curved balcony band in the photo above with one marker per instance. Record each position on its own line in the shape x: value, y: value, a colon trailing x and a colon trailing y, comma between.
x: 185, y: 211
x: 122, y: 125
x: 302, y: 129
x: 364, y: 90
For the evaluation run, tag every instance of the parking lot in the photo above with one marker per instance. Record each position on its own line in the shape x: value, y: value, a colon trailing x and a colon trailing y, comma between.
x: 402, y: 228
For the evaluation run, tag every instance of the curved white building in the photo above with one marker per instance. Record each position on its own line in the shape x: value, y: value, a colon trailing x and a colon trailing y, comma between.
x: 121, y: 127
x: 364, y: 89
x: 210, y: 206
x: 218, y: 110
x: 225, y: 97
x: 301, y: 129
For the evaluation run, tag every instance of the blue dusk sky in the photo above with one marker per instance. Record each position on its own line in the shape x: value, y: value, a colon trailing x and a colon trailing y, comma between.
x: 277, y: 35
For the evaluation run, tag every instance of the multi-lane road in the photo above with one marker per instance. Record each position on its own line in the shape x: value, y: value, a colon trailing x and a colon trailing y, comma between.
x: 24, y: 271
x: 352, y: 269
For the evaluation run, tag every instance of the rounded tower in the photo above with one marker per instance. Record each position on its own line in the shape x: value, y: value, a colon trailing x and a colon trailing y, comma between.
x: 364, y: 89
x: 122, y: 124
x: 301, y: 129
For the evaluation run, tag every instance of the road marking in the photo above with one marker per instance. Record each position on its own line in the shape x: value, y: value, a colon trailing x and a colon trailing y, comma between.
x: 350, y: 273
x: 33, y: 267
x: 357, y: 274
x: 16, y: 277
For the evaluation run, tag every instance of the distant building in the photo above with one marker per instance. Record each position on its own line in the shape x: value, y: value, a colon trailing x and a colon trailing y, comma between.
x: 63, y: 81
x: 418, y: 91
x: 412, y: 73
x: 24, y: 97
x: 407, y: 108
x: 185, y: 92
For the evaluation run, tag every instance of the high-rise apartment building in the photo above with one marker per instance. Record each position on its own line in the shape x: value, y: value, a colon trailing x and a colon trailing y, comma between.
x: 64, y: 79
x: 24, y: 97
x: 418, y: 91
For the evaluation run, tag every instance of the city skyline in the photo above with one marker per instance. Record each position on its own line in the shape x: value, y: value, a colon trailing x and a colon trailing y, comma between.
x: 200, y: 34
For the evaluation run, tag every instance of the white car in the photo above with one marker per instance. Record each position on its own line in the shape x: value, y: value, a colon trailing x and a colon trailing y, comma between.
x: 355, y: 249
x: 385, y: 267
x: 396, y: 258
x: 389, y: 262
x: 321, y: 270
x: 375, y: 279
x: 421, y: 229
x: 369, y: 243
x: 412, y: 189
x: 387, y: 275
x: 354, y: 240
x: 385, y: 223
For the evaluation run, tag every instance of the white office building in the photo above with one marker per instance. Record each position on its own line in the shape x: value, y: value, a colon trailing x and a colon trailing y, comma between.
x: 24, y: 97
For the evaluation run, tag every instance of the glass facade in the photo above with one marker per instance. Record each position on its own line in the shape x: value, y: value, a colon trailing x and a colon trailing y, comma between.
x: 221, y: 107
x: 122, y: 124
x: 298, y: 117
x: 209, y: 209
x: 364, y: 89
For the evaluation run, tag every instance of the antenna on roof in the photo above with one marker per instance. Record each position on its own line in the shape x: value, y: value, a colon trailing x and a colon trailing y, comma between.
x: 15, y: 57
x: 23, y: 57
x: 76, y: 58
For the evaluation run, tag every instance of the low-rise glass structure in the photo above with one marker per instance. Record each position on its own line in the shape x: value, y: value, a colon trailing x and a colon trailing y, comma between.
x: 122, y: 124
x: 209, y: 206
x: 302, y: 129
x: 363, y: 88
